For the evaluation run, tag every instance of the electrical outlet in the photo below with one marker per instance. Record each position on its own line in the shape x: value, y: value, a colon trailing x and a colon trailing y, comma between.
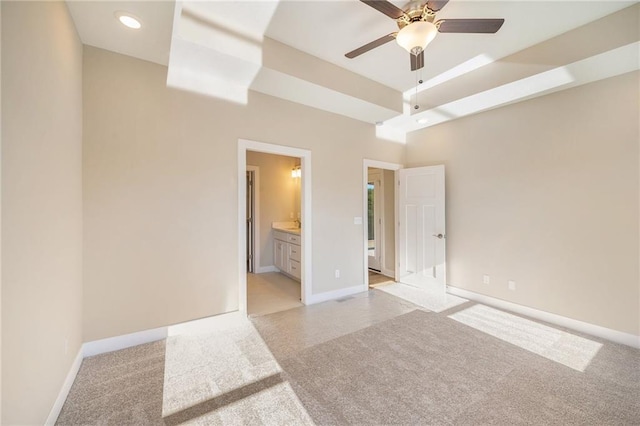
x: 337, y: 273
x: 512, y: 285
x: 291, y: 215
x: 486, y: 279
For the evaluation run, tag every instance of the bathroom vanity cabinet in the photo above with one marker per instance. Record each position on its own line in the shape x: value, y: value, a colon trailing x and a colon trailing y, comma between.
x: 286, y: 251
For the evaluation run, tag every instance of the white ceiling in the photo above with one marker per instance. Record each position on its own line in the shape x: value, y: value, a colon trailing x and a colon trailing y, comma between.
x: 329, y: 29
x: 97, y: 26
x: 207, y: 46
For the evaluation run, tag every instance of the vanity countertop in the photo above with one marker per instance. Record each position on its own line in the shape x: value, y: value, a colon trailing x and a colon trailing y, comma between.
x: 288, y: 227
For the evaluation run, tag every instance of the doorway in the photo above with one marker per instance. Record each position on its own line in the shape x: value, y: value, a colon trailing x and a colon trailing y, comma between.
x: 379, y: 222
x: 274, y: 284
x: 375, y: 198
x: 305, y: 219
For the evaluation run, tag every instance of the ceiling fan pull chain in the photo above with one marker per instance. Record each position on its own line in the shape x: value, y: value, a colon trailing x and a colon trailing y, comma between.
x: 416, y: 106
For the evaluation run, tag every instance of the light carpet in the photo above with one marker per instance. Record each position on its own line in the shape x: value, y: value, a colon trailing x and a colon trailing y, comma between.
x: 368, y: 359
x: 222, y: 377
x: 560, y: 346
x: 424, y: 368
x: 433, y: 299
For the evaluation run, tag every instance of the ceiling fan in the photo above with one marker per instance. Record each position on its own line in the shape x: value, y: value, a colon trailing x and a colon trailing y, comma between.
x: 418, y: 27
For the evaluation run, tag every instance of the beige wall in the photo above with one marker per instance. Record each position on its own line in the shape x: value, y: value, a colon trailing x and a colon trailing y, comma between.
x: 545, y: 192
x: 277, y: 194
x: 41, y: 206
x: 160, y: 194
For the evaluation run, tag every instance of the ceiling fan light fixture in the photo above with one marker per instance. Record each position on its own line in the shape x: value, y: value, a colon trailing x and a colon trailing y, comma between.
x: 416, y: 36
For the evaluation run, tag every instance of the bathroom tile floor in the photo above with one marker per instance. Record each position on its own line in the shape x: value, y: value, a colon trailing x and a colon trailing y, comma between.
x: 271, y: 292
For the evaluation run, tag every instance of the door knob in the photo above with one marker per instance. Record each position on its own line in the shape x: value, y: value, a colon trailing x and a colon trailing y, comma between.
x: 439, y: 236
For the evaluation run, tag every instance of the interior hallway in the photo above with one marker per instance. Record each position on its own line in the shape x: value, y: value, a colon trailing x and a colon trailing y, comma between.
x: 271, y: 292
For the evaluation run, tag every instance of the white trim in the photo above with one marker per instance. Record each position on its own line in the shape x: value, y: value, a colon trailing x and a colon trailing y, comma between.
x: 335, y: 294
x: 245, y: 145
x: 581, y: 326
x: 365, y: 220
x: 124, y: 341
x: 66, y: 387
x: 256, y: 216
x: 378, y: 213
x: 264, y: 269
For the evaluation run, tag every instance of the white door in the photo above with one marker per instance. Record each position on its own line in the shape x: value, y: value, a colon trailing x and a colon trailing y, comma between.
x: 422, y: 227
x: 374, y: 221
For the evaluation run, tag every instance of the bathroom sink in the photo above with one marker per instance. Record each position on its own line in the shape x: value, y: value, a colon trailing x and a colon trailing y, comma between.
x: 287, y: 227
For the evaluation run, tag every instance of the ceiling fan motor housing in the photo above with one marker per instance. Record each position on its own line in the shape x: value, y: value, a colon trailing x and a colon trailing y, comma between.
x: 415, y: 11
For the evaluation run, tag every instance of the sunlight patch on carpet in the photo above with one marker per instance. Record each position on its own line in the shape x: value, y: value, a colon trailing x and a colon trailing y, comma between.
x: 205, y: 367
x: 565, y: 348
x: 434, y: 300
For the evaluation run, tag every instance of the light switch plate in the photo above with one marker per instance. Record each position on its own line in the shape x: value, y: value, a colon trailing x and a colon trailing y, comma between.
x: 357, y: 220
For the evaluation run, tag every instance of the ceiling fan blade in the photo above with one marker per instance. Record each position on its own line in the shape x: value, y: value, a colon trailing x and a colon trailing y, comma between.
x: 436, y: 5
x: 385, y: 7
x: 488, y: 26
x: 417, y: 62
x: 367, y: 47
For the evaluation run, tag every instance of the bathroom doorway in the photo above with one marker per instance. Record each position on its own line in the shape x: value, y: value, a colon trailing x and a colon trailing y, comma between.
x: 274, y: 284
x: 281, y: 253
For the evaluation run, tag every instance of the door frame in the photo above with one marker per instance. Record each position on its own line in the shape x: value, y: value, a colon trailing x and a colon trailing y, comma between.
x: 306, y: 283
x: 256, y: 217
x: 366, y: 164
x: 378, y: 213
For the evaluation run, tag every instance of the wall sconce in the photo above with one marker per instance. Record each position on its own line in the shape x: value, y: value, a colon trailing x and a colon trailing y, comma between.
x: 296, y: 172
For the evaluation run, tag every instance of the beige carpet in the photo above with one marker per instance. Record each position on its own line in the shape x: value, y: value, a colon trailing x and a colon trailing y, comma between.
x: 433, y: 299
x: 368, y: 359
x: 424, y: 368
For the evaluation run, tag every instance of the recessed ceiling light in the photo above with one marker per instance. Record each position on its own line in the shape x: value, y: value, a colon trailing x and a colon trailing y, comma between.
x: 422, y: 121
x: 128, y: 20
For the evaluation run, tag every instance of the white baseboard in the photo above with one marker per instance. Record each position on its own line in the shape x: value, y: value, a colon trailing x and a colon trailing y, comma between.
x: 201, y: 325
x: 581, y: 326
x: 116, y: 343
x: 335, y: 294
x: 64, y: 391
x: 263, y: 269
